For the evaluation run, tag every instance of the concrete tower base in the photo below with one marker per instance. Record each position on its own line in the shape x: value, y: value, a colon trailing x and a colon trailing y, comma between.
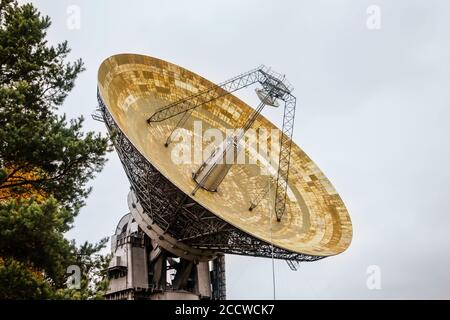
x: 148, y: 264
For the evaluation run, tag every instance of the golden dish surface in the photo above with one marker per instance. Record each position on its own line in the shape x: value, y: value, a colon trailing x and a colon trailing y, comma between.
x: 316, y: 221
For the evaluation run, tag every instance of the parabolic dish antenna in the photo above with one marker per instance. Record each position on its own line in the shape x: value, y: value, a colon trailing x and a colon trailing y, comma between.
x: 179, y: 203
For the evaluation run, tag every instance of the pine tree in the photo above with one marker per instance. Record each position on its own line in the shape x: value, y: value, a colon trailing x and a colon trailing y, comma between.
x: 45, y: 160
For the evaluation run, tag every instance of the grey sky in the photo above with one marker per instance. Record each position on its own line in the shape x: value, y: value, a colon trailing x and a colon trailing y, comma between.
x: 373, y: 113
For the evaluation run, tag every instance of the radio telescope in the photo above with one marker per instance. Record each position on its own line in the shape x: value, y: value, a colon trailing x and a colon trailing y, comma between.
x: 184, y: 216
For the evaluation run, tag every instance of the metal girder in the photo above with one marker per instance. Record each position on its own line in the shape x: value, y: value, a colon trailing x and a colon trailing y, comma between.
x: 269, y: 80
x: 293, y: 264
x: 212, y: 93
x: 285, y: 156
x: 218, y: 278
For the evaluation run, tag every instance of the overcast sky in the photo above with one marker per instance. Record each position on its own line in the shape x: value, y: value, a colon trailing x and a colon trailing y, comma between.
x: 373, y: 113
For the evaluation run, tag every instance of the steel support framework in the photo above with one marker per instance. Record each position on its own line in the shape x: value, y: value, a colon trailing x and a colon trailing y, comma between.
x: 181, y: 216
x: 218, y: 278
x: 277, y: 87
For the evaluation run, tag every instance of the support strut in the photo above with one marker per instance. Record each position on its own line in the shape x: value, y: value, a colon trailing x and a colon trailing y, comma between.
x: 275, y: 86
